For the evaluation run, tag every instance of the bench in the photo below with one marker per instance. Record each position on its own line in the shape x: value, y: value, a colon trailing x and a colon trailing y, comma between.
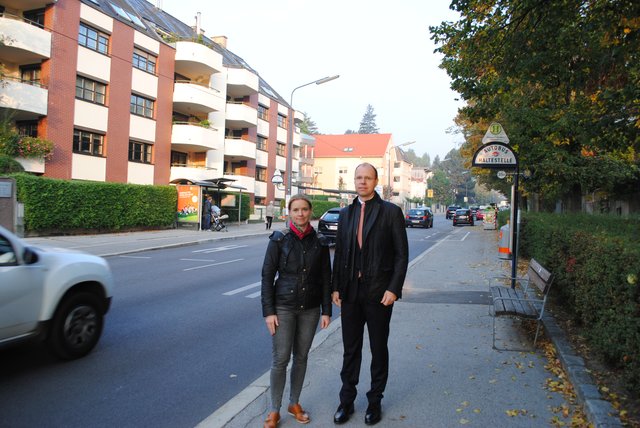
x: 527, y: 301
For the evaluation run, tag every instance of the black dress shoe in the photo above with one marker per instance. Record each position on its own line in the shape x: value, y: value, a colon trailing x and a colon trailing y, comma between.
x: 373, y: 415
x: 343, y: 413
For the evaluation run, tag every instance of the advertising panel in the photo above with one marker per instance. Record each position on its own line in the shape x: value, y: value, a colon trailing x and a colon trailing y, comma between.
x: 188, y: 203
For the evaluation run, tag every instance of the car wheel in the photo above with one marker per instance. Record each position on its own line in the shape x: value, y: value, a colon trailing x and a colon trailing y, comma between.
x: 76, y: 326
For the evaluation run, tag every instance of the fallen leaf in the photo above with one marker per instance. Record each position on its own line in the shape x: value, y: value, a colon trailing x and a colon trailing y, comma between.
x: 464, y: 421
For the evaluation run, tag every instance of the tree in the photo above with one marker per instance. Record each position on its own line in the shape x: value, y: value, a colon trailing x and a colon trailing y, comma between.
x: 308, y: 126
x: 562, y: 79
x: 368, y: 122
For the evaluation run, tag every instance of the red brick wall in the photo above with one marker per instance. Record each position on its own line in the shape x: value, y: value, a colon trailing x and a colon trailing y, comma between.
x: 59, y: 74
x: 117, y: 139
x: 164, y: 112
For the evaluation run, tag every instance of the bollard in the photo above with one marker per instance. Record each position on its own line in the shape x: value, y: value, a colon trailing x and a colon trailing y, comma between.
x: 503, y: 243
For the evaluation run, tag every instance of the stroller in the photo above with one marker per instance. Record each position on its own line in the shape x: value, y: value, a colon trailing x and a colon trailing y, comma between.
x: 217, y: 223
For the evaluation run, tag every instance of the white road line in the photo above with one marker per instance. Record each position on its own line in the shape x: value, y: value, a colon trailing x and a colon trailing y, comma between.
x: 213, y: 264
x: 253, y: 295
x: 197, y: 260
x: 215, y: 250
x: 465, y: 236
x: 135, y: 257
x: 241, y: 289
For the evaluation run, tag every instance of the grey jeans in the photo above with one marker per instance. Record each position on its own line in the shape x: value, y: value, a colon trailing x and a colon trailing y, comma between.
x: 294, y: 335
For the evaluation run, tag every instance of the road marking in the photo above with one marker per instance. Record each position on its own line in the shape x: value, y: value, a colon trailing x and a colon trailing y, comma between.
x: 135, y: 257
x: 253, y: 295
x: 215, y: 250
x: 241, y: 289
x: 465, y: 236
x: 197, y: 260
x: 212, y: 264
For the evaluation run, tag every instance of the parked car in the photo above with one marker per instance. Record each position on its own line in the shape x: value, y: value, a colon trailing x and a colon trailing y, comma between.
x: 463, y: 216
x: 56, y: 295
x: 419, y: 217
x: 451, y: 211
x: 328, y: 223
x: 479, y: 215
x: 474, y: 210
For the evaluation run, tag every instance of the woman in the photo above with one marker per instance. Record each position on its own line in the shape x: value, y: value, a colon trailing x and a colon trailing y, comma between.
x: 291, y: 304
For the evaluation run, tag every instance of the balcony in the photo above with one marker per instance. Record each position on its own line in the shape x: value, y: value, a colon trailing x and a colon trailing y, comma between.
x: 28, y: 100
x: 197, y: 61
x: 23, y: 43
x: 191, y: 137
x: 195, y: 99
x: 238, y: 149
x: 240, y: 115
x: 241, y: 82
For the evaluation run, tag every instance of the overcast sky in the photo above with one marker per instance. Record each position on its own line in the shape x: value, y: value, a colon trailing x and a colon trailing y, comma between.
x: 380, y: 48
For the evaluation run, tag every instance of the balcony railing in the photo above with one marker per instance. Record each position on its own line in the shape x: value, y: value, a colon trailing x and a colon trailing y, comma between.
x: 24, y: 41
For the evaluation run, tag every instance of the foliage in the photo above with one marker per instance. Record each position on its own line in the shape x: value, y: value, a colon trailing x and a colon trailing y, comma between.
x: 596, y: 263
x: 421, y: 161
x: 9, y: 165
x: 15, y: 145
x: 308, y: 126
x: 368, y: 122
x: 561, y: 77
x: 52, y: 205
x: 232, y: 212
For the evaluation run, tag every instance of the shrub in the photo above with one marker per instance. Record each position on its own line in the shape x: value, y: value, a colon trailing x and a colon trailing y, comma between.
x: 9, y: 165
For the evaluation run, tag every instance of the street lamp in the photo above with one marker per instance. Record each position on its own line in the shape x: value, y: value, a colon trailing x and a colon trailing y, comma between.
x: 389, y: 170
x: 277, y: 180
x: 291, y: 129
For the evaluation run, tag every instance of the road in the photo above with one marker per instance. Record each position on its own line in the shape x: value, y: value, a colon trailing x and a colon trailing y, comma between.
x: 184, y: 335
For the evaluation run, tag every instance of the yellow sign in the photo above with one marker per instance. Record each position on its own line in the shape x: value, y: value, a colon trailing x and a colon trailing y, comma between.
x: 429, y: 193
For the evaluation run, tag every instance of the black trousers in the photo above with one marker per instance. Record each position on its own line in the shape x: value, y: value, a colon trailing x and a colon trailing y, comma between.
x: 376, y: 317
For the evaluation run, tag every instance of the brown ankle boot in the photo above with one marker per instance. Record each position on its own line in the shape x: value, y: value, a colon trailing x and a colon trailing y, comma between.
x: 272, y: 420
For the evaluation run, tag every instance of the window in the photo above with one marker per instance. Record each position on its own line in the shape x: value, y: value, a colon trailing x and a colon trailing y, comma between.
x: 342, y: 170
x: 90, y: 90
x: 178, y: 159
x: 88, y: 143
x: 282, y: 121
x: 93, y: 39
x: 280, y: 149
x: 140, y: 152
x: 28, y: 128
x: 30, y: 74
x: 261, y: 173
x: 261, y: 143
x: 396, y: 179
x: 142, y: 106
x: 144, y: 61
x: 35, y: 17
x: 263, y: 112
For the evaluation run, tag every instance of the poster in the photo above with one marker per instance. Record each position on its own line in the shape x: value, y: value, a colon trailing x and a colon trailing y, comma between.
x: 188, y: 203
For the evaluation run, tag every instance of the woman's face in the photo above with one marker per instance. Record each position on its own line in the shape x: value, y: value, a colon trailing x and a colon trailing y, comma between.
x: 300, y: 213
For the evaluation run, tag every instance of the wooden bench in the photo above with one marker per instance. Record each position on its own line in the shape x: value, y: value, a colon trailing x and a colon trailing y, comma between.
x: 525, y: 301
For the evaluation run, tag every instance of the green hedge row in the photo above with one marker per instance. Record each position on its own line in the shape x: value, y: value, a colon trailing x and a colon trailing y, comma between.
x: 59, y: 206
x: 596, y: 262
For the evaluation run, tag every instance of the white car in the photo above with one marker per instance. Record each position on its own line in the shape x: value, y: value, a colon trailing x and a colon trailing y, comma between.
x: 60, y: 296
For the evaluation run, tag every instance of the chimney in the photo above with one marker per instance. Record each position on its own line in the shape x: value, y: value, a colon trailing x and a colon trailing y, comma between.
x: 198, y: 29
x: 221, y: 40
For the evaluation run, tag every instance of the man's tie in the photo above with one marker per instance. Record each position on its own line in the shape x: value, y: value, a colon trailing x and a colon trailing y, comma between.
x: 361, y: 223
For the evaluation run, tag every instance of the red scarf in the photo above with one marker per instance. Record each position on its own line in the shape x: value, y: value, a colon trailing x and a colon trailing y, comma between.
x: 298, y: 233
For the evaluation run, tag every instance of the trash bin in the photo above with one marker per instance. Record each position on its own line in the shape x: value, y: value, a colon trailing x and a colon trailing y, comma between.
x: 503, y: 243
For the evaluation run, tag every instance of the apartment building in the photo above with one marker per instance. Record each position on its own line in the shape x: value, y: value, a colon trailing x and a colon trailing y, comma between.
x: 337, y: 156
x: 128, y: 93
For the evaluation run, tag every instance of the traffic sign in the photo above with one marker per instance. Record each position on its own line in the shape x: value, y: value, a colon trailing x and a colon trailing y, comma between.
x: 495, y: 134
x: 495, y: 155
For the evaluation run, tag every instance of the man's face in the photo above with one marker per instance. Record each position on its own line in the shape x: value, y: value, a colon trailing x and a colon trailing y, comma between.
x: 365, y: 181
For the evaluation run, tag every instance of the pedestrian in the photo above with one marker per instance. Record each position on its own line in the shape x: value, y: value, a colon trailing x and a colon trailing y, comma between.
x: 369, y: 267
x: 206, y: 213
x: 293, y: 304
x: 269, y: 214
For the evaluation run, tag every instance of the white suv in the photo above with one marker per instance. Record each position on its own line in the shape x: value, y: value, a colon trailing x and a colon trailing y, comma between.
x: 57, y: 295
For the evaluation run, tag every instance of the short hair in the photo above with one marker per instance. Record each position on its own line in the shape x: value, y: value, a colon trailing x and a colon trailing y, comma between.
x: 375, y: 170
x: 298, y: 197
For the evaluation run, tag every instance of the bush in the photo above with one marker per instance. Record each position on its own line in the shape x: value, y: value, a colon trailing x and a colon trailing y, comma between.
x: 596, y: 262
x: 9, y: 165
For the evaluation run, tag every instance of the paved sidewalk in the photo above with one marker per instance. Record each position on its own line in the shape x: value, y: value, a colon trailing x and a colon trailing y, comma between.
x: 443, y: 370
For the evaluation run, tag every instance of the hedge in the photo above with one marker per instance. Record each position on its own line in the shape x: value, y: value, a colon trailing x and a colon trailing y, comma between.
x: 65, y: 206
x: 596, y: 261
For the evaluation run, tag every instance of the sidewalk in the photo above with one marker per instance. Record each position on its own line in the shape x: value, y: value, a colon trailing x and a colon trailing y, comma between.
x: 443, y: 370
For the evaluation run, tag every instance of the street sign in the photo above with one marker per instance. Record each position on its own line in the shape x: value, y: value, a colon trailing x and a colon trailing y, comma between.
x: 429, y: 193
x: 501, y: 174
x: 495, y: 155
x: 495, y: 134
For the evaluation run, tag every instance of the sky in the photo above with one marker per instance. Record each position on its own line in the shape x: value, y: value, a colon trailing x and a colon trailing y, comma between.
x: 381, y: 49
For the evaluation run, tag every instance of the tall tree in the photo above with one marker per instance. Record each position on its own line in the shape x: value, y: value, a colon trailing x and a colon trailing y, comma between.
x: 308, y: 126
x: 562, y: 77
x: 368, y: 122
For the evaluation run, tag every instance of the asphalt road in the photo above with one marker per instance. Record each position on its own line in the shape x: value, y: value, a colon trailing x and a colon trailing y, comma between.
x: 184, y: 335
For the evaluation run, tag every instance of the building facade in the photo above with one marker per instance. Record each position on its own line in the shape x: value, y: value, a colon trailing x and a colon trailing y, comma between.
x: 127, y: 93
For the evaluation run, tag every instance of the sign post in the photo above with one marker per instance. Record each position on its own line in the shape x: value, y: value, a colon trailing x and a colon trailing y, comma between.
x: 495, y: 153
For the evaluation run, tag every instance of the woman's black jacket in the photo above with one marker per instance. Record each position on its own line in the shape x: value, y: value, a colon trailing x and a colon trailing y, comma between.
x: 304, y: 273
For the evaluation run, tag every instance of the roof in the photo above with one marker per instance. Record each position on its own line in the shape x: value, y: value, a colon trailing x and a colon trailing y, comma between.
x: 351, y: 145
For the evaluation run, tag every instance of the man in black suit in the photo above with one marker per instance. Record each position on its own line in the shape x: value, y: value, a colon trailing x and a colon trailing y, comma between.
x: 369, y: 268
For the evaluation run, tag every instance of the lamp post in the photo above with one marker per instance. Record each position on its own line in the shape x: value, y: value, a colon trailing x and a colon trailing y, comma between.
x: 389, y: 169
x: 291, y: 130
